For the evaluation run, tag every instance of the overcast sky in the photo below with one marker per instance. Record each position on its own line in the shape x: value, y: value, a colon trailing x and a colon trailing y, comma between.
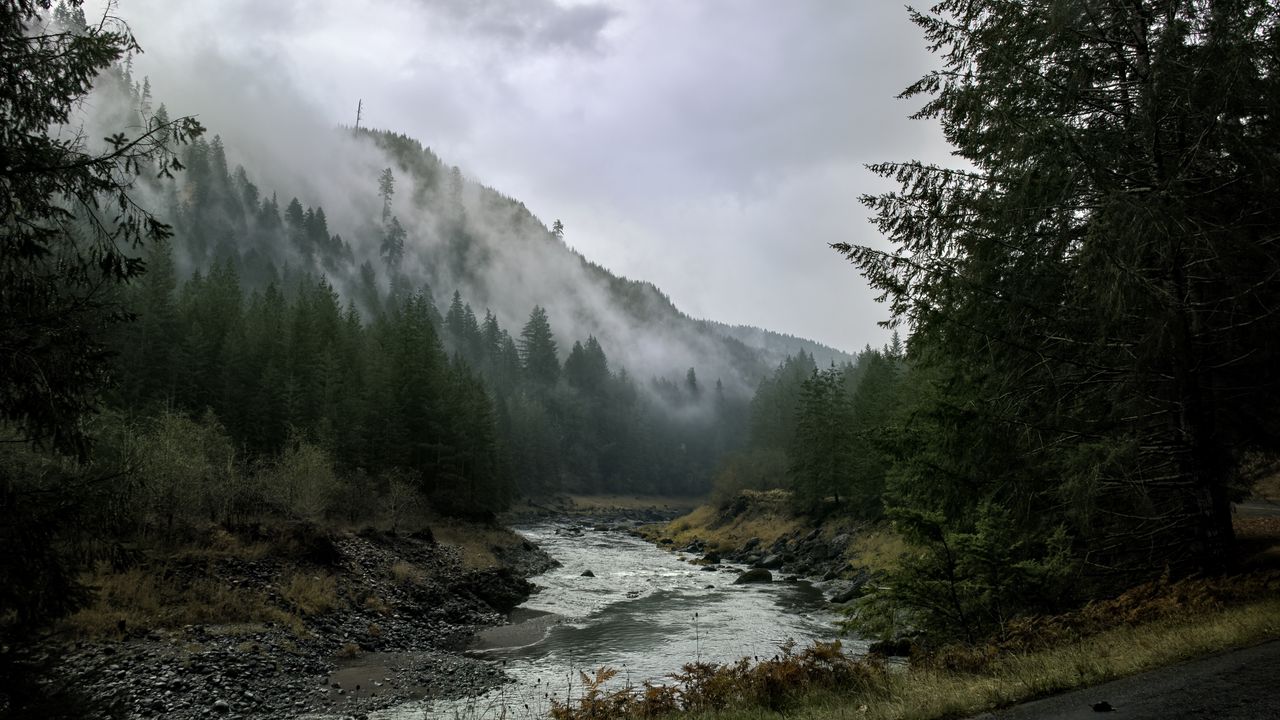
x: 714, y: 148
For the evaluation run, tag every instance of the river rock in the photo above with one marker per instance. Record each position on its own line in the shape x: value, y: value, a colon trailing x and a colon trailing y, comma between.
x: 771, y: 562
x: 711, y: 558
x: 754, y: 575
x: 587, y: 573
x: 851, y: 590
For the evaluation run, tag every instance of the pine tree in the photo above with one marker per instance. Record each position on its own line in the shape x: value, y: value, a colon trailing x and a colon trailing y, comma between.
x: 1094, y: 295
x: 68, y: 218
x: 538, y: 349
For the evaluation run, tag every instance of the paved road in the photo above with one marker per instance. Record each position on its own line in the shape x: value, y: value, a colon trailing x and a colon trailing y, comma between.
x: 1258, y: 508
x: 1239, y: 685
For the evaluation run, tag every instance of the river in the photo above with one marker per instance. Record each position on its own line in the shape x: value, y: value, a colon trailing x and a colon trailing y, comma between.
x: 645, y: 612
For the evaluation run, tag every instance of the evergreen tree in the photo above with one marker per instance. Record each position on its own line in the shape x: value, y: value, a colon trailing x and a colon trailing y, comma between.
x: 68, y: 221
x: 1093, y: 297
x: 386, y: 191
x: 538, y: 349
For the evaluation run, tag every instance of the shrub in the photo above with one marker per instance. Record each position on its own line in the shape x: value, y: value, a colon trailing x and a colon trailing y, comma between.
x: 311, y: 594
x: 704, y: 687
x: 303, y: 479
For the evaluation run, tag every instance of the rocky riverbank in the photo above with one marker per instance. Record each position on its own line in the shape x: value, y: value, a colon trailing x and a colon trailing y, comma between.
x: 363, y: 621
x: 758, y: 530
x: 807, y: 554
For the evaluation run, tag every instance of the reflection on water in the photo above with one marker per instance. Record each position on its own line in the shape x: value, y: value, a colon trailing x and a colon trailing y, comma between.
x: 645, y: 612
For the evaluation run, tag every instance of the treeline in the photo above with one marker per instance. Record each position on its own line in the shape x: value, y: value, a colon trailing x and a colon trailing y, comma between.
x: 288, y: 364
x: 822, y: 433
x: 581, y: 426
x: 1090, y: 376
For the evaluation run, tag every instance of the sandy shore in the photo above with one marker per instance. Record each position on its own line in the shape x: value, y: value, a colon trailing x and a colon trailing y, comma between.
x: 526, y: 628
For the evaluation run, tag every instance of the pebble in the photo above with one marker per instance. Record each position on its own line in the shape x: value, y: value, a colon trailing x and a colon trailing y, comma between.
x: 205, y: 670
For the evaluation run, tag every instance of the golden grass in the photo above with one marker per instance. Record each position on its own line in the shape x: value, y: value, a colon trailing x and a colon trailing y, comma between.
x: 930, y: 694
x: 377, y: 604
x: 137, y: 599
x: 768, y: 518
x: 311, y: 593
x: 475, y: 542
x: 878, y: 549
x: 406, y: 573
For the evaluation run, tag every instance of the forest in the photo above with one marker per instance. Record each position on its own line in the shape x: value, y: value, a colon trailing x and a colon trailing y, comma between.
x: 1080, y: 382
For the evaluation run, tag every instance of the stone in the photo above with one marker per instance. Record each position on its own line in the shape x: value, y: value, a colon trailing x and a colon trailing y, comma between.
x: 771, y: 562
x: 755, y: 575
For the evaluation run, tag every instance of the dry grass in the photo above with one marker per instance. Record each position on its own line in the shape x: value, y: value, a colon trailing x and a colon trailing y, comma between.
x: 878, y: 549
x: 350, y: 650
x: 475, y: 542
x: 377, y: 604
x: 311, y: 593
x: 923, y: 693
x: 137, y: 599
x: 219, y: 544
x: 767, y: 517
x: 406, y: 573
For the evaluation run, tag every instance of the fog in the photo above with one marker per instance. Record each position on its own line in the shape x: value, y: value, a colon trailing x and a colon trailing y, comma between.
x: 725, y: 195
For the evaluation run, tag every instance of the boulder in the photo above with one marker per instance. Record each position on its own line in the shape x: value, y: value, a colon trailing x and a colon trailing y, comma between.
x: 499, y: 588
x: 755, y: 575
x: 587, y: 573
x: 772, y: 562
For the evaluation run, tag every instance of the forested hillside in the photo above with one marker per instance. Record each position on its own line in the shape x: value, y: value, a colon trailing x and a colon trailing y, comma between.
x: 291, y: 324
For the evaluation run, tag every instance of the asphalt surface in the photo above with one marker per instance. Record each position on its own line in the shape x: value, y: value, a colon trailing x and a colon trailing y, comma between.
x: 1258, y: 508
x: 1238, y: 685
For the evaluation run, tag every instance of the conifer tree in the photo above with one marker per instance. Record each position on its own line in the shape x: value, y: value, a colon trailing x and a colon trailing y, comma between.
x: 1094, y: 294
x: 538, y: 349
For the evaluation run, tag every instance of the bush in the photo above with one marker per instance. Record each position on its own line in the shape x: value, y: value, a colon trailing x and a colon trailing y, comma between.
x: 186, y: 471
x: 965, y: 585
x: 774, y: 684
x: 303, y: 480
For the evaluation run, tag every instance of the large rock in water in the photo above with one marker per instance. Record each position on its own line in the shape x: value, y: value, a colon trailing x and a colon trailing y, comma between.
x: 756, y: 575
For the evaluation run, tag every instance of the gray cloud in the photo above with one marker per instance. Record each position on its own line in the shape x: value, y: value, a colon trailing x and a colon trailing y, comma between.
x: 714, y: 148
x: 526, y: 24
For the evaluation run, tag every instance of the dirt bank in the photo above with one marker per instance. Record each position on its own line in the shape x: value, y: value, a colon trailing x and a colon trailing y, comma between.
x: 336, y: 622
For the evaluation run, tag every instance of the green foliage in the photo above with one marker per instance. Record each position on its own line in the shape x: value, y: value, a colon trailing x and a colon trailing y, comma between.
x: 1090, y: 300
x: 538, y: 349
x: 68, y: 218
x: 186, y: 472
x: 967, y: 584
x: 302, y: 480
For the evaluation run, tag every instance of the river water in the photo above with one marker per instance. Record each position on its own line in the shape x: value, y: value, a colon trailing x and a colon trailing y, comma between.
x: 645, y: 613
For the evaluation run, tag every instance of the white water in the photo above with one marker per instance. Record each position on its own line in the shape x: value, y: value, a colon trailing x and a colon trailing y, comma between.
x: 645, y: 613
